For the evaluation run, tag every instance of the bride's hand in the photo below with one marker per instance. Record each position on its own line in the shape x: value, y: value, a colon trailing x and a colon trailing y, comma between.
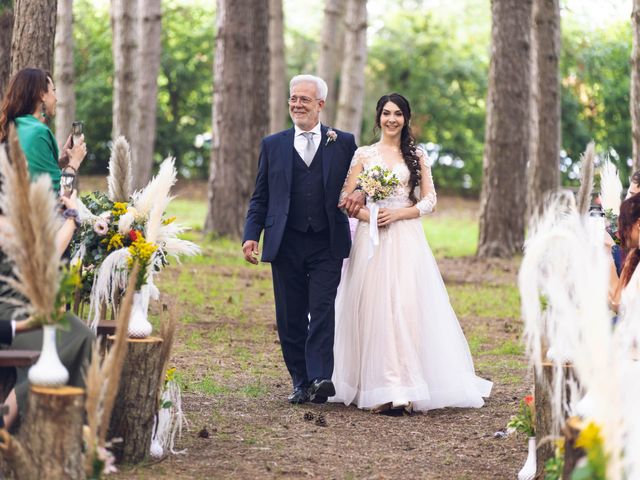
x: 387, y: 216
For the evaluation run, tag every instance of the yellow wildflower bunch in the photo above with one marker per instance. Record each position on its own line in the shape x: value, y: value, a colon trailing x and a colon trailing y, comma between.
x: 171, y: 375
x: 169, y: 220
x: 591, y: 440
x: 141, y: 251
x: 119, y: 208
x: 114, y: 242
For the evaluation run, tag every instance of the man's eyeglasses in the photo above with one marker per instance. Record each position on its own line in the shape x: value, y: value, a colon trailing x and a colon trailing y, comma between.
x: 303, y: 100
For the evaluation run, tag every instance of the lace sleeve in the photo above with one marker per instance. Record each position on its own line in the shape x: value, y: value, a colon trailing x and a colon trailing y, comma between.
x: 428, y: 198
x: 355, y: 169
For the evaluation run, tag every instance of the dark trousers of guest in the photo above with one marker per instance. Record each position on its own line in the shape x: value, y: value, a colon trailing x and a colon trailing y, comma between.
x: 305, y: 281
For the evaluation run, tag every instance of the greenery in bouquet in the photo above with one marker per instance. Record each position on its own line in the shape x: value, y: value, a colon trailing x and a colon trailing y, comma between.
x: 525, y: 420
x: 611, y: 224
x: 377, y: 182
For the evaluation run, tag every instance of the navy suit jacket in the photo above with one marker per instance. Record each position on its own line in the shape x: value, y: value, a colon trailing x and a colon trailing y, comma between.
x: 6, y: 332
x: 269, y: 205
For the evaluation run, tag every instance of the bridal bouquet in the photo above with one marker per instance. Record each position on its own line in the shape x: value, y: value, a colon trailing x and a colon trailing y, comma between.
x: 377, y: 182
x: 119, y: 226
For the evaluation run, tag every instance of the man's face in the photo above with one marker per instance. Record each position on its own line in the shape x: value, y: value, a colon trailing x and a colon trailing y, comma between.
x: 304, y: 106
x: 634, y: 189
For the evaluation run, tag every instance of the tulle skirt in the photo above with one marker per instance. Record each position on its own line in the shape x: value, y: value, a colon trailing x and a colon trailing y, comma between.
x: 397, y: 337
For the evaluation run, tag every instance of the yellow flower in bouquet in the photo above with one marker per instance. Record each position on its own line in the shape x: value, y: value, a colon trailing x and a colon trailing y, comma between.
x: 141, y: 251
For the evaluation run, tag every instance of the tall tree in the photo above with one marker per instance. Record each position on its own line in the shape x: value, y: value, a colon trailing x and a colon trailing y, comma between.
x: 351, y: 99
x: 64, y: 71
x: 239, y: 118
x: 635, y: 86
x: 503, y: 196
x: 6, y: 29
x: 544, y: 141
x: 148, y: 59
x: 34, y: 30
x: 277, y: 68
x: 125, y: 44
x: 331, y: 48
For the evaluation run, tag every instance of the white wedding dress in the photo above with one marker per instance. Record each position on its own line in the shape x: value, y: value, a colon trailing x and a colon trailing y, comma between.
x: 397, y: 339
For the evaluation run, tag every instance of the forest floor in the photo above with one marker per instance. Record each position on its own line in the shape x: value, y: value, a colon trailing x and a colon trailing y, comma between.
x: 235, y: 384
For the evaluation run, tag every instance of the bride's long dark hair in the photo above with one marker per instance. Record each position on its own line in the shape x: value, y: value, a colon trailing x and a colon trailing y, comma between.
x: 407, y: 142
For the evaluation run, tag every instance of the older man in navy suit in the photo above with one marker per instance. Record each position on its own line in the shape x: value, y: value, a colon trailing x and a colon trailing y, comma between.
x: 301, y: 172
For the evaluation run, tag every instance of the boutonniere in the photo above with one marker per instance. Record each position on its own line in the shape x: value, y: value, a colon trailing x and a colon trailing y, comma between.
x: 331, y: 136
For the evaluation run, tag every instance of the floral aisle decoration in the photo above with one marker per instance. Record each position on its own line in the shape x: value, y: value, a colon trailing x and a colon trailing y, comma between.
x: 525, y: 422
x: 170, y: 419
x: 113, y: 231
x: 378, y: 183
x: 594, y: 465
x: 38, y: 287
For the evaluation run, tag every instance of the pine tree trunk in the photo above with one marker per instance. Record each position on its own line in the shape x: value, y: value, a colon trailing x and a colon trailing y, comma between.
x: 331, y: 49
x: 149, y: 53
x: 125, y: 47
x: 6, y: 30
x: 503, y: 196
x: 52, y: 432
x: 241, y: 89
x: 34, y: 30
x: 635, y: 86
x: 277, y: 68
x: 544, y: 142
x: 351, y: 100
x: 136, y: 401
x: 64, y: 71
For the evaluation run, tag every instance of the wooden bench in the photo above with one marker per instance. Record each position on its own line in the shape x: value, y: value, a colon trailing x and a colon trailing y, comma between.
x: 18, y: 358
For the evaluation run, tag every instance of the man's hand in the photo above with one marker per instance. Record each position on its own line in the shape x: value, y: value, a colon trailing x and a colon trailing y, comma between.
x: 251, y: 251
x: 353, y: 202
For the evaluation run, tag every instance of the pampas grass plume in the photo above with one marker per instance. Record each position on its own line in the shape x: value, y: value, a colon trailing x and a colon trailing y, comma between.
x: 119, y: 180
x: 586, y: 178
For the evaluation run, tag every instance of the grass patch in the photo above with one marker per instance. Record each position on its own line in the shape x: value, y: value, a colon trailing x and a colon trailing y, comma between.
x: 209, y: 386
x: 451, y: 237
x: 508, y: 347
x: 486, y: 301
x: 189, y: 212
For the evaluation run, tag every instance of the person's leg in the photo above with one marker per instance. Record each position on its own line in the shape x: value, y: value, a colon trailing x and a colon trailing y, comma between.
x: 292, y: 311
x: 11, y: 405
x: 324, y: 276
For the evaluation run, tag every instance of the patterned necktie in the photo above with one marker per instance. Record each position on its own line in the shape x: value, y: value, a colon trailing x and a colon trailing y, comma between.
x: 309, y: 149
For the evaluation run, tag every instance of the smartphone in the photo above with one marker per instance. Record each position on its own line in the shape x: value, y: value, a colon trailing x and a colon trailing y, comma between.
x: 77, y: 129
x: 67, y: 184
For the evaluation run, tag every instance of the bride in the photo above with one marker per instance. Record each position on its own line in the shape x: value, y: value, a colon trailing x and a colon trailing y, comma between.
x: 398, y: 343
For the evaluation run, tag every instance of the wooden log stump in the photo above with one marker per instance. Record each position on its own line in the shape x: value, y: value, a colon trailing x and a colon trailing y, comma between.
x: 542, y: 395
x: 52, y: 432
x: 136, y: 402
x: 571, y: 453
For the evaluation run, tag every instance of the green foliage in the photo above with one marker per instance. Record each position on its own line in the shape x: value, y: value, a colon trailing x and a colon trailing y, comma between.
x: 524, y: 421
x: 185, y: 83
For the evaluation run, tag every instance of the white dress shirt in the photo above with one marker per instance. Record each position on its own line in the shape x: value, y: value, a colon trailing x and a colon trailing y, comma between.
x: 300, y: 142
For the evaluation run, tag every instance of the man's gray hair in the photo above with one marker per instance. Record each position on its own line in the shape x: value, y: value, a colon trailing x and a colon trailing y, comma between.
x: 321, y: 85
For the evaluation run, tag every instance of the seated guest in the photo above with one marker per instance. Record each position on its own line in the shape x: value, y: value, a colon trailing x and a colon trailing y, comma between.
x: 627, y: 291
x: 634, y: 185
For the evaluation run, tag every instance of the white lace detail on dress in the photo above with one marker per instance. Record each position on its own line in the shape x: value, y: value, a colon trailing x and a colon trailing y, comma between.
x: 428, y: 202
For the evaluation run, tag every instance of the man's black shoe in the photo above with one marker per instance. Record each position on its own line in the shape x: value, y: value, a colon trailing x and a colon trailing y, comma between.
x: 298, y: 396
x: 320, y: 390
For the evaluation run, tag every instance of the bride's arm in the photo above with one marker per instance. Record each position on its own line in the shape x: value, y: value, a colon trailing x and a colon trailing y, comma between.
x: 351, y: 182
x: 427, y: 201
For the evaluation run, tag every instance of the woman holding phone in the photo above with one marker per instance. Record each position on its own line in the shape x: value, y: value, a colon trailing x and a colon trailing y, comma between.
x: 30, y: 102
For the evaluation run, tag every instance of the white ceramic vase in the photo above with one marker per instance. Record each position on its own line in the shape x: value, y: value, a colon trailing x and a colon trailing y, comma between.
x: 48, y: 371
x: 139, y: 325
x: 528, y: 471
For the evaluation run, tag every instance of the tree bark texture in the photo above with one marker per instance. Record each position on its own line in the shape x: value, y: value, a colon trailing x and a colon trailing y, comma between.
x: 544, y: 141
x: 64, y: 71
x: 6, y: 30
x: 125, y: 44
x: 635, y: 86
x: 506, y: 150
x: 149, y: 53
x: 52, y: 432
x: 240, y: 120
x: 351, y: 99
x: 331, y: 50
x: 278, y: 90
x: 136, y: 405
x: 34, y: 30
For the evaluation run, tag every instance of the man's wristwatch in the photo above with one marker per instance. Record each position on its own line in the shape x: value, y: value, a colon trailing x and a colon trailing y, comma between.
x: 73, y: 214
